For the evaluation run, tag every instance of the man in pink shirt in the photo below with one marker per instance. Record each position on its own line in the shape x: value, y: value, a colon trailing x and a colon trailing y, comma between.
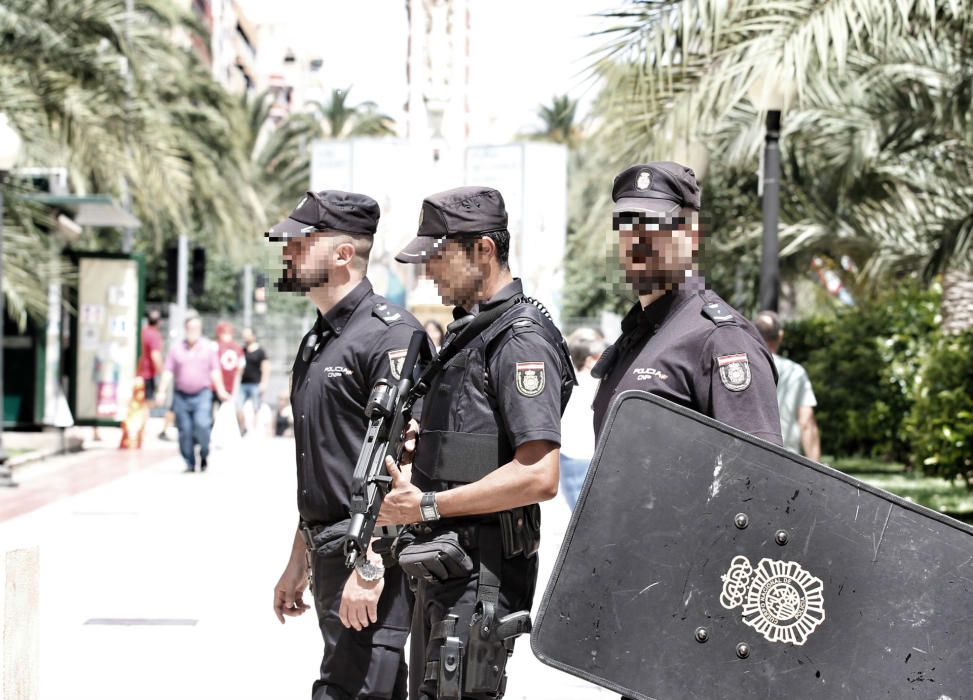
x: 192, y: 366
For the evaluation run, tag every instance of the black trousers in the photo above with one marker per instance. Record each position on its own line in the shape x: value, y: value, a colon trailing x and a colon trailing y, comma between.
x: 518, y: 578
x: 365, y: 665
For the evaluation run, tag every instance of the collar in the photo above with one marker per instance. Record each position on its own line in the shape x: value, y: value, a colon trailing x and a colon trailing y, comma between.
x: 660, y: 309
x: 512, y: 289
x: 338, y: 315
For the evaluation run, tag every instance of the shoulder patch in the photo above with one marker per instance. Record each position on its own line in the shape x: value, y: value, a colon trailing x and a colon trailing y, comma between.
x: 396, y: 361
x: 385, y: 312
x: 719, y: 314
x: 530, y: 378
x: 734, y: 371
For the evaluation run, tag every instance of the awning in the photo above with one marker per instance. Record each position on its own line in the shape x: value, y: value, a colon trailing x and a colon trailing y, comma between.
x: 97, y: 210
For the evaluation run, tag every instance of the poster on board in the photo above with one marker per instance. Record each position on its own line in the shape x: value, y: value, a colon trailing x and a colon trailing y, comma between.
x: 107, y: 339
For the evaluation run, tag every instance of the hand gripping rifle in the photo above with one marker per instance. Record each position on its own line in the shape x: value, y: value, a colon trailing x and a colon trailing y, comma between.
x: 389, y: 410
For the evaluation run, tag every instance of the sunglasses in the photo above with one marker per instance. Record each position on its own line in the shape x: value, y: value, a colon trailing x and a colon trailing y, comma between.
x: 628, y: 222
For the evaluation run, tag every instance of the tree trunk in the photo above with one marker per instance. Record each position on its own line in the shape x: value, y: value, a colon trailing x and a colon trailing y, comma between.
x: 957, y: 304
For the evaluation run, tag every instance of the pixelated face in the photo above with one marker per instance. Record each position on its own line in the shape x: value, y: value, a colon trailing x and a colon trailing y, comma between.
x: 655, y: 252
x: 308, y: 262
x: 458, y: 275
x: 248, y: 336
x: 194, y: 330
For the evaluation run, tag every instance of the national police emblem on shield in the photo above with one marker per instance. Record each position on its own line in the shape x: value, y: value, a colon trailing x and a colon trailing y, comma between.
x: 735, y: 371
x: 643, y: 181
x: 530, y: 378
x: 396, y: 360
x: 780, y: 599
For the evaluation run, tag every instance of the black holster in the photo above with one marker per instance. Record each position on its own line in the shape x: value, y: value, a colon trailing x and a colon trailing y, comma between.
x: 491, y: 644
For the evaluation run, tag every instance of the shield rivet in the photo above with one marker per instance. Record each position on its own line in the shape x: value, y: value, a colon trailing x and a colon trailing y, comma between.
x: 781, y: 537
x: 743, y: 650
x: 702, y: 635
x: 741, y: 521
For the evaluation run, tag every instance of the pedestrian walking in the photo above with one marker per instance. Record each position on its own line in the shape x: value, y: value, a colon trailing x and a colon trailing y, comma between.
x: 192, y: 368
x: 577, y: 436
x: 795, y: 396
x: 150, y: 359
x: 253, y: 381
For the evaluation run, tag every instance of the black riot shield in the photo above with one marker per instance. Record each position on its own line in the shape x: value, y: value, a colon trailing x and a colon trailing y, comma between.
x: 701, y: 562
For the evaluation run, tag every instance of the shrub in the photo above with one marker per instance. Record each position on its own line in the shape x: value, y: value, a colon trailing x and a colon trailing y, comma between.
x: 939, y: 426
x: 863, y: 363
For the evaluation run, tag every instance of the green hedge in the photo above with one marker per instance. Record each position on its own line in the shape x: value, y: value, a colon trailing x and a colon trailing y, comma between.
x: 864, y: 363
x: 940, y: 423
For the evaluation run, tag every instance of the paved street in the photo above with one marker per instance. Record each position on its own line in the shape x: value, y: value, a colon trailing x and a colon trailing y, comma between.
x: 158, y: 584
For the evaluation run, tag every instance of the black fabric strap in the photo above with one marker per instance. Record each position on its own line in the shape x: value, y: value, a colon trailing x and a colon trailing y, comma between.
x: 470, y: 331
x: 442, y: 629
x: 491, y: 559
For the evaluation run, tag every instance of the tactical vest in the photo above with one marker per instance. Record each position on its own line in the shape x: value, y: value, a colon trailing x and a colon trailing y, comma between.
x: 463, y: 438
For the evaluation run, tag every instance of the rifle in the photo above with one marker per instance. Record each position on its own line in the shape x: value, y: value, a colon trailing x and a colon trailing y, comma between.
x: 389, y: 410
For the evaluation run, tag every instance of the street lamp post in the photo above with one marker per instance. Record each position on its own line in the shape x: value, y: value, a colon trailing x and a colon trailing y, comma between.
x: 770, y: 95
x: 769, y: 259
x: 9, y: 149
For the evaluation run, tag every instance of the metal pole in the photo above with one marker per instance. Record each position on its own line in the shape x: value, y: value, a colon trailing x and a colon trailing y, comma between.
x: 248, y: 296
x: 769, y: 264
x: 182, y: 284
x: 6, y: 474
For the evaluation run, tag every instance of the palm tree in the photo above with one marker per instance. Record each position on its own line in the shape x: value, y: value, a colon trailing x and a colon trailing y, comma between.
x: 558, y: 119
x: 341, y: 120
x: 877, y: 150
x: 115, y: 101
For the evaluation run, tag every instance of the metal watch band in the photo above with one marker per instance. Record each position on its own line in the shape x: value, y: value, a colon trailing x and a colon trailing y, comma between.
x: 427, y: 507
x: 369, y: 571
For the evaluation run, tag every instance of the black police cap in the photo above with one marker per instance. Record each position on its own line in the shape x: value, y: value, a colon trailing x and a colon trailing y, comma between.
x: 462, y: 211
x: 656, y: 188
x: 329, y: 210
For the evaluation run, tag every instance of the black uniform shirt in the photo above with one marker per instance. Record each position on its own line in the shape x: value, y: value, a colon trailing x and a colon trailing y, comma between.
x: 676, y: 349
x: 362, y: 339
x: 519, y: 366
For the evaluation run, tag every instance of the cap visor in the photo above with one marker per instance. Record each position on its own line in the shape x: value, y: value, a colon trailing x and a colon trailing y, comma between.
x: 287, y: 229
x: 420, y: 249
x: 647, y: 206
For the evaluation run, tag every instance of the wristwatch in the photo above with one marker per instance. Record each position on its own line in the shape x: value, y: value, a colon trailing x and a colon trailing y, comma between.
x: 369, y: 571
x: 427, y: 507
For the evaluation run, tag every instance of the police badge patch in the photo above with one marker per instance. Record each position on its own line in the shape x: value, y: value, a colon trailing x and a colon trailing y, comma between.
x: 734, y: 371
x: 530, y: 378
x: 396, y: 360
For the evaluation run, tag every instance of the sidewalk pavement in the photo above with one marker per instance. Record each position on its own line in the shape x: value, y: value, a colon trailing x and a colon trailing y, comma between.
x: 157, y: 584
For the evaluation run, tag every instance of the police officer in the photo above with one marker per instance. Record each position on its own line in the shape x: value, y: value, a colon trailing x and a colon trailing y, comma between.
x: 358, y: 338
x: 680, y: 340
x: 487, y: 452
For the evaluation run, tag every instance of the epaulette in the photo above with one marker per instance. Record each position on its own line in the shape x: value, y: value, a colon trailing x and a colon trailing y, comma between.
x: 719, y: 313
x: 389, y: 315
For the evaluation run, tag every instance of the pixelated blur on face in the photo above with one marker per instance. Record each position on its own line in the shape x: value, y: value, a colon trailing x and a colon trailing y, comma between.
x: 655, y: 253
x: 457, y: 274
x: 194, y: 330
x: 307, y: 262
